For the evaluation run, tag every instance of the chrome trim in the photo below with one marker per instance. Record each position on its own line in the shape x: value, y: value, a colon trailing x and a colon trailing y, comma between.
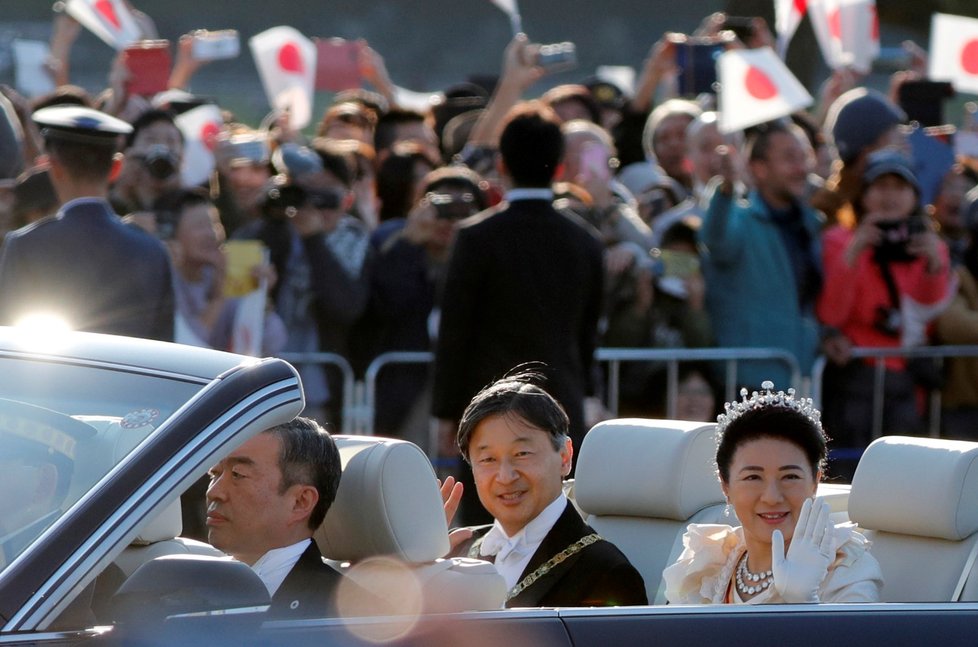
x: 102, y: 364
x: 52, y: 595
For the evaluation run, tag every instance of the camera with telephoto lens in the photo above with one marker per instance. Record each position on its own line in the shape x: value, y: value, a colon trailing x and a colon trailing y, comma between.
x: 160, y: 161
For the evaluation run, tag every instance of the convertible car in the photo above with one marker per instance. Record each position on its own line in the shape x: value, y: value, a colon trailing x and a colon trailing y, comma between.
x: 100, y: 436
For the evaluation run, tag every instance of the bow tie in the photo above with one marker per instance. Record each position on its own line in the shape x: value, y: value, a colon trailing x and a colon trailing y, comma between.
x: 498, y: 544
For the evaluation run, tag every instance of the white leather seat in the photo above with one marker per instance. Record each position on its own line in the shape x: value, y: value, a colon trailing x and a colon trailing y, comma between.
x: 916, y: 499
x: 161, y: 536
x: 387, y: 531
x: 641, y: 482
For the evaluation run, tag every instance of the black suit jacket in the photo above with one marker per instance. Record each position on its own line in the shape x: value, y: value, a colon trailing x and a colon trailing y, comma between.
x: 309, y: 590
x: 524, y: 283
x: 598, y: 575
x: 86, y: 264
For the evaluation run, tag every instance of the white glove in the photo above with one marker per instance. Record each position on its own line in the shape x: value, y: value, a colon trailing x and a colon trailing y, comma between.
x: 798, y: 575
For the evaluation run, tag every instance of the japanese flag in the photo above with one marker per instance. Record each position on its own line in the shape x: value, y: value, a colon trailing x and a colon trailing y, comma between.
x: 848, y: 32
x: 511, y: 10
x: 787, y: 17
x: 286, y: 62
x: 756, y: 86
x: 200, y: 127
x: 110, y: 20
x: 954, y: 51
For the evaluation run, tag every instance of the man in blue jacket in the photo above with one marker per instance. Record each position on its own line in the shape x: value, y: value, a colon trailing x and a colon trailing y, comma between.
x: 763, y: 255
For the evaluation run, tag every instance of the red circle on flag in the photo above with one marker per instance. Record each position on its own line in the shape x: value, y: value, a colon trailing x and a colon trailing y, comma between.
x: 759, y: 84
x: 208, y: 135
x: 289, y: 58
x: 105, y: 8
x: 835, y: 24
x: 969, y: 56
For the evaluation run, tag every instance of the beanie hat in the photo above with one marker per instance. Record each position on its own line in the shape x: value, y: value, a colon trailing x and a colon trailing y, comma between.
x: 858, y: 118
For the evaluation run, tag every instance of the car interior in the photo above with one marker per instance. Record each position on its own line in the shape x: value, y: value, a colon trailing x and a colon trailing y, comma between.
x: 639, y: 483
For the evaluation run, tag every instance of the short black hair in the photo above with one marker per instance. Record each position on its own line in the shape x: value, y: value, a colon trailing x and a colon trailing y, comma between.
x: 147, y: 119
x: 532, y: 144
x: 337, y: 159
x: 170, y: 206
x: 83, y: 160
x: 515, y: 394
x: 386, y: 131
x: 759, y: 137
x: 779, y: 423
x: 308, y: 456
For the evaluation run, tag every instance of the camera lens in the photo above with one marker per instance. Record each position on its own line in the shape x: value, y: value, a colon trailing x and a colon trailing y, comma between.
x: 160, y: 162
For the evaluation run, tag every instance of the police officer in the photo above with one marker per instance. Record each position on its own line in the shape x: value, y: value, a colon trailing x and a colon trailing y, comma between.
x: 84, y: 264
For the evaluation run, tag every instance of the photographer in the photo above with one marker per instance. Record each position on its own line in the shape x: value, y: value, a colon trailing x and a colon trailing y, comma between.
x: 151, y: 163
x: 884, y: 279
x: 321, y: 257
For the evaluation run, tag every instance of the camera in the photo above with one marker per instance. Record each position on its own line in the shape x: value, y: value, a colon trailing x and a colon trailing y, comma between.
x: 452, y: 207
x: 557, y: 57
x: 283, y: 199
x: 160, y: 161
x: 896, y: 237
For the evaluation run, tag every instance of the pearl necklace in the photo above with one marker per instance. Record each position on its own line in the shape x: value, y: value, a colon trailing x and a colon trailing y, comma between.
x: 759, y: 581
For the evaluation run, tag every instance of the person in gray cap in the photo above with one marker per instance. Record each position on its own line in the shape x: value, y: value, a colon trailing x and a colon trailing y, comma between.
x: 859, y: 122
x: 83, y: 264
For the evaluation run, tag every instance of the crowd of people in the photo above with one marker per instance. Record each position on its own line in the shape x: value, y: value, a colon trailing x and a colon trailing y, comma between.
x: 501, y: 227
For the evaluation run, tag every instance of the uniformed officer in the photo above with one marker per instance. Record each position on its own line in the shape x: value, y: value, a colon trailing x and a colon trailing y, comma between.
x: 84, y: 265
x: 37, y: 460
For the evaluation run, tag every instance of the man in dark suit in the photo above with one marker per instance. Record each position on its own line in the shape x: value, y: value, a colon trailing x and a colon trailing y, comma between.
x: 514, y: 435
x: 84, y: 264
x: 524, y: 283
x: 264, y: 502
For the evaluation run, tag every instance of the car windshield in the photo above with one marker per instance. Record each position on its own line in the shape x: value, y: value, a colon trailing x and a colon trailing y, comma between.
x: 63, y: 426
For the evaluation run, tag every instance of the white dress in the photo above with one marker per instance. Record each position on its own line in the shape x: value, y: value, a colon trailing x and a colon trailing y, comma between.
x: 703, y: 574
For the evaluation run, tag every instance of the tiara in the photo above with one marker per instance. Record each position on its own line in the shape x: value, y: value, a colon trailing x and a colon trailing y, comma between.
x: 767, y: 398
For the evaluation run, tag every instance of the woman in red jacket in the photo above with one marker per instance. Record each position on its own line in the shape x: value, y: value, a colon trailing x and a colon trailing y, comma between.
x: 885, y: 279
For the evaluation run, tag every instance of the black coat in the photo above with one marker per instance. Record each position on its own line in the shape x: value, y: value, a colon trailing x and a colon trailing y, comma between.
x: 309, y: 590
x: 87, y: 265
x: 597, y: 575
x: 524, y: 283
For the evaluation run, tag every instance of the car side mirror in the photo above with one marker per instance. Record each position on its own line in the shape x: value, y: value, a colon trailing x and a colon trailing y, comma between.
x: 175, y: 585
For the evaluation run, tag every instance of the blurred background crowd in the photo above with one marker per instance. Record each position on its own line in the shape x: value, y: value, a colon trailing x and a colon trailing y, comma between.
x: 846, y: 224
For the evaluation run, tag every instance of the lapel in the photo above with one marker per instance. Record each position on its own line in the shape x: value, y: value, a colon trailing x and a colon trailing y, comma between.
x: 568, y: 529
x: 309, y: 588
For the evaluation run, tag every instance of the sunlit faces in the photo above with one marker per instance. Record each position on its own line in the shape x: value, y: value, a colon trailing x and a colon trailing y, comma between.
x: 247, y: 515
x: 782, y: 175
x: 890, y: 196
x: 200, y: 234
x: 669, y: 144
x: 770, y: 478
x: 517, y: 471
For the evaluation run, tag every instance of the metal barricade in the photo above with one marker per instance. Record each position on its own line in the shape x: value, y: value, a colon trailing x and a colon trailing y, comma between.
x: 351, y: 395
x: 879, y: 356
x: 614, y: 357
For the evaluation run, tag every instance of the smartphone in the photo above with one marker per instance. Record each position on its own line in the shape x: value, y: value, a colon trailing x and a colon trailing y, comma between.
x: 741, y: 26
x: 557, y: 57
x: 148, y: 62
x: 594, y: 161
x: 923, y: 101
x: 215, y: 45
x: 696, y: 59
x: 337, y: 64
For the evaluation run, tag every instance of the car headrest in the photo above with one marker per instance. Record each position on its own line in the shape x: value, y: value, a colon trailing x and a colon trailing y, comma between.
x: 647, y: 468
x: 388, y: 503
x: 917, y: 486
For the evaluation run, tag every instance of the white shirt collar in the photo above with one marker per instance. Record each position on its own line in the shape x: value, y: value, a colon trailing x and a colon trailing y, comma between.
x: 529, y: 194
x: 514, y: 553
x: 274, y: 566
